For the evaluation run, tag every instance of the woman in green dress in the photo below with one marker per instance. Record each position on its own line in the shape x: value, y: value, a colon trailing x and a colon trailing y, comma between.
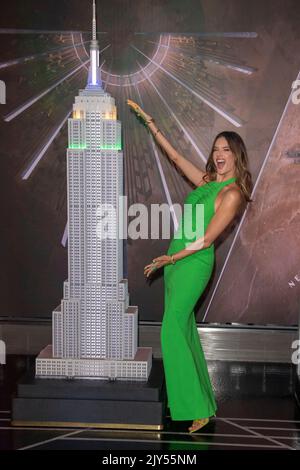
x: 223, y: 190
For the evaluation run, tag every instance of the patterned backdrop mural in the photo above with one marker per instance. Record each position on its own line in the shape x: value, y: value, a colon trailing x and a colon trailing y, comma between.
x: 198, y: 67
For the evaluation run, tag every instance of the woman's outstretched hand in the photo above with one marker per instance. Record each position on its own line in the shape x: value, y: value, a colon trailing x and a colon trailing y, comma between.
x: 138, y: 110
x: 156, y: 264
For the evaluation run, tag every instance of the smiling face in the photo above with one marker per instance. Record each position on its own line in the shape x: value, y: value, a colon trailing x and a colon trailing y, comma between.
x: 223, y: 158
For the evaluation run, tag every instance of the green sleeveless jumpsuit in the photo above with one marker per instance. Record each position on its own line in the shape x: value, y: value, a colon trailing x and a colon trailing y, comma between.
x: 188, y: 385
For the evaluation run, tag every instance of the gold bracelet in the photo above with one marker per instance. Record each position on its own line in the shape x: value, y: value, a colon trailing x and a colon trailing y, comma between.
x: 172, y: 259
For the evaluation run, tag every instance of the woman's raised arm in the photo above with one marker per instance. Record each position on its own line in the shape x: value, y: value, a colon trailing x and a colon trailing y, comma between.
x: 191, y: 171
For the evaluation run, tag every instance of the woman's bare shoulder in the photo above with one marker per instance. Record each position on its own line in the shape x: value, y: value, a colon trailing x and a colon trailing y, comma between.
x: 233, y: 193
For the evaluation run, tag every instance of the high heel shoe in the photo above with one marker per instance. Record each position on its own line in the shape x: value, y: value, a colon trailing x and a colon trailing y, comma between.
x: 198, y: 424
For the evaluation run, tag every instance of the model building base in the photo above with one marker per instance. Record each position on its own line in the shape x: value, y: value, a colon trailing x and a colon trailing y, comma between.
x: 92, y: 403
x: 138, y: 368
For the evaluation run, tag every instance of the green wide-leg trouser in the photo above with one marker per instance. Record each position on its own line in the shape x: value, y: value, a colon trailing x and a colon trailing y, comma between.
x: 188, y: 385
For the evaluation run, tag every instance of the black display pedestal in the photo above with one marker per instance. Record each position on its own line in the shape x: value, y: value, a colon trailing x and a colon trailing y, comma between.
x: 119, y: 404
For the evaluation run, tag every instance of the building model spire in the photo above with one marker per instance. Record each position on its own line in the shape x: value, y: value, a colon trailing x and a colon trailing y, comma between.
x: 94, y: 78
x: 94, y: 22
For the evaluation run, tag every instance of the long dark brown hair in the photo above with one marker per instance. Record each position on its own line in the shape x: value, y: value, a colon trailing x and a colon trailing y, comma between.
x: 243, y: 175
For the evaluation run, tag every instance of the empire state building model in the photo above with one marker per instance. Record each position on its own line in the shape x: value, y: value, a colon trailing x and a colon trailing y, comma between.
x: 94, y: 330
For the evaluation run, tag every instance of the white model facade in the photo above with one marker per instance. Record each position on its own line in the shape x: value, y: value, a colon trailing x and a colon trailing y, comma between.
x: 94, y: 330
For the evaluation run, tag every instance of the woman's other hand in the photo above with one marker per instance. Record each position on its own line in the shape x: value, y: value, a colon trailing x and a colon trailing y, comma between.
x: 156, y: 264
